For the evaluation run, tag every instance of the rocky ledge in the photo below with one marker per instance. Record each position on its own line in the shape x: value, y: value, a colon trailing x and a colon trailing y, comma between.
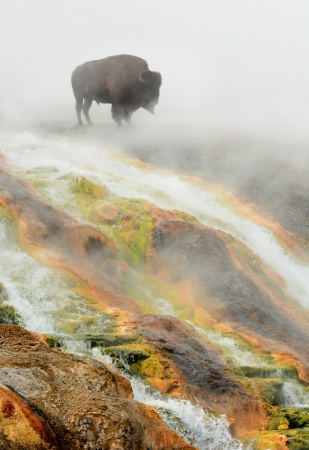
x: 52, y: 400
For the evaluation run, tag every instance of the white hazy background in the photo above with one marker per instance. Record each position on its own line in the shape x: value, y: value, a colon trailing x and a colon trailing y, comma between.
x: 239, y: 65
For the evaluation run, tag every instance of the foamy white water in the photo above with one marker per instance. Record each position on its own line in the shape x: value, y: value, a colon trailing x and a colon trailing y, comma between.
x: 293, y: 394
x: 27, y: 283
x: 193, y: 423
x: 169, y: 191
x: 44, y: 300
x: 231, y: 350
x: 41, y: 298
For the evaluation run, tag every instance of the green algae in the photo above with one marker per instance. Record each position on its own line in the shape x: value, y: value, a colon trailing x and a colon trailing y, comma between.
x: 10, y: 223
x: 81, y: 185
x: 287, y: 425
x: 5, y: 214
x: 127, y: 351
x: 185, y: 216
x: 130, y: 229
x: 142, y: 361
x: 38, y: 183
x: 8, y: 315
x: 298, y: 439
x: 269, y: 390
x: 290, y: 418
x: 270, y: 440
x: 266, y: 382
x: 154, y: 367
x: 279, y: 371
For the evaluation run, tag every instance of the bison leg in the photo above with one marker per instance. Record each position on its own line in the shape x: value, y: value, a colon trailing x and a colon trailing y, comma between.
x: 127, y: 117
x: 86, y: 106
x: 78, y: 107
x: 117, y: 112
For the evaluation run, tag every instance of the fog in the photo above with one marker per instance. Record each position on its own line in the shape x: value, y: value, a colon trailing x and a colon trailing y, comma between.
x: 231, y: 65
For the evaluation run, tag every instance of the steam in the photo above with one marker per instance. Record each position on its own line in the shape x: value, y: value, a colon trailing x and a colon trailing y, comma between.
x: 225, y: 65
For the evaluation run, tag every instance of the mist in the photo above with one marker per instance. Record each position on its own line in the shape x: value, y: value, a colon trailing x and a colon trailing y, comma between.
x: 235, y: 66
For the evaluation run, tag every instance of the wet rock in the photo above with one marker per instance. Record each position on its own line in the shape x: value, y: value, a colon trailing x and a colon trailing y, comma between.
x: 20, y: 427
x: 189, y: 367
x: 82, y: 402
x: 210, y: 274
x: 259, y: 170
x: 107, y: 213
x: 58, y: 239
x: 225, y: 289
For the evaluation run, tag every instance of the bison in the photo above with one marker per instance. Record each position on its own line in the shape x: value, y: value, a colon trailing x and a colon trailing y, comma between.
x: 122, y: 80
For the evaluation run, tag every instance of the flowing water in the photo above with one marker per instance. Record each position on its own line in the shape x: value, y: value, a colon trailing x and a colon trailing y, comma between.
x: 193, y: 423
x: 45, y: 301
x: 167, y: 190
x: 294, y: 395
x: 232, y: 351
x: 49, y: 304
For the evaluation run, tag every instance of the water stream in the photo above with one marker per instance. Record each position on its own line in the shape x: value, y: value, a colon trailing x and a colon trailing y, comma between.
x: 193, y: 423
x: 167, y: 190
x: 48, y: 303
x: 294, y: 395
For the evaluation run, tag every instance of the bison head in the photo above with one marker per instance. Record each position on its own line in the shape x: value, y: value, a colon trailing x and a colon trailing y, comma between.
x: 150, y: 83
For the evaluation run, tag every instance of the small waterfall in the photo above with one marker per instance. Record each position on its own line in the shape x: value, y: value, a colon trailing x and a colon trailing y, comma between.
x: 47, y: 303
x: 44, y: 300
x: 231, y: 349
x: 194, y: 424
x: 293, y: 394
x: 164, y: 307
x: 234, y: 352
x: 164, y: 189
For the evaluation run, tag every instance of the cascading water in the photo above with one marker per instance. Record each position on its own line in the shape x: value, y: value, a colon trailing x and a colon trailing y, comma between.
x: 45, y: 301
x: 164, y: 189
x: 48, y: 304
x: 193, y: 423
x: 294, y: 395
x: 231, y: 350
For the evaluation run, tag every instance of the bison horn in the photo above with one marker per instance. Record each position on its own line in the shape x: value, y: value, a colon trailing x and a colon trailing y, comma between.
x: 140, y: 78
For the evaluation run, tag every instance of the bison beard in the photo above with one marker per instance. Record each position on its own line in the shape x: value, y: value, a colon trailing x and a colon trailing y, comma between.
x: 123, y: 80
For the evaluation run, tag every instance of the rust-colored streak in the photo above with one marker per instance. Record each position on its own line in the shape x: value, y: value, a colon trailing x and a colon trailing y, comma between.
x: 58, y: 239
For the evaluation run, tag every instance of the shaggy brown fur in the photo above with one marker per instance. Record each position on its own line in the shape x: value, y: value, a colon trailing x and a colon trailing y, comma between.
x: 123, y: 80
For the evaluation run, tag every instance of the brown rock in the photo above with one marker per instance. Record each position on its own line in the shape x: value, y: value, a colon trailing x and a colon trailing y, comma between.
x: 86, y: 404
x: 195, y: 370
x: 221, y: 289
x: 107, y: 213
x: 20, y: 427
x: 58, y: 239
x: 202, y: 267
